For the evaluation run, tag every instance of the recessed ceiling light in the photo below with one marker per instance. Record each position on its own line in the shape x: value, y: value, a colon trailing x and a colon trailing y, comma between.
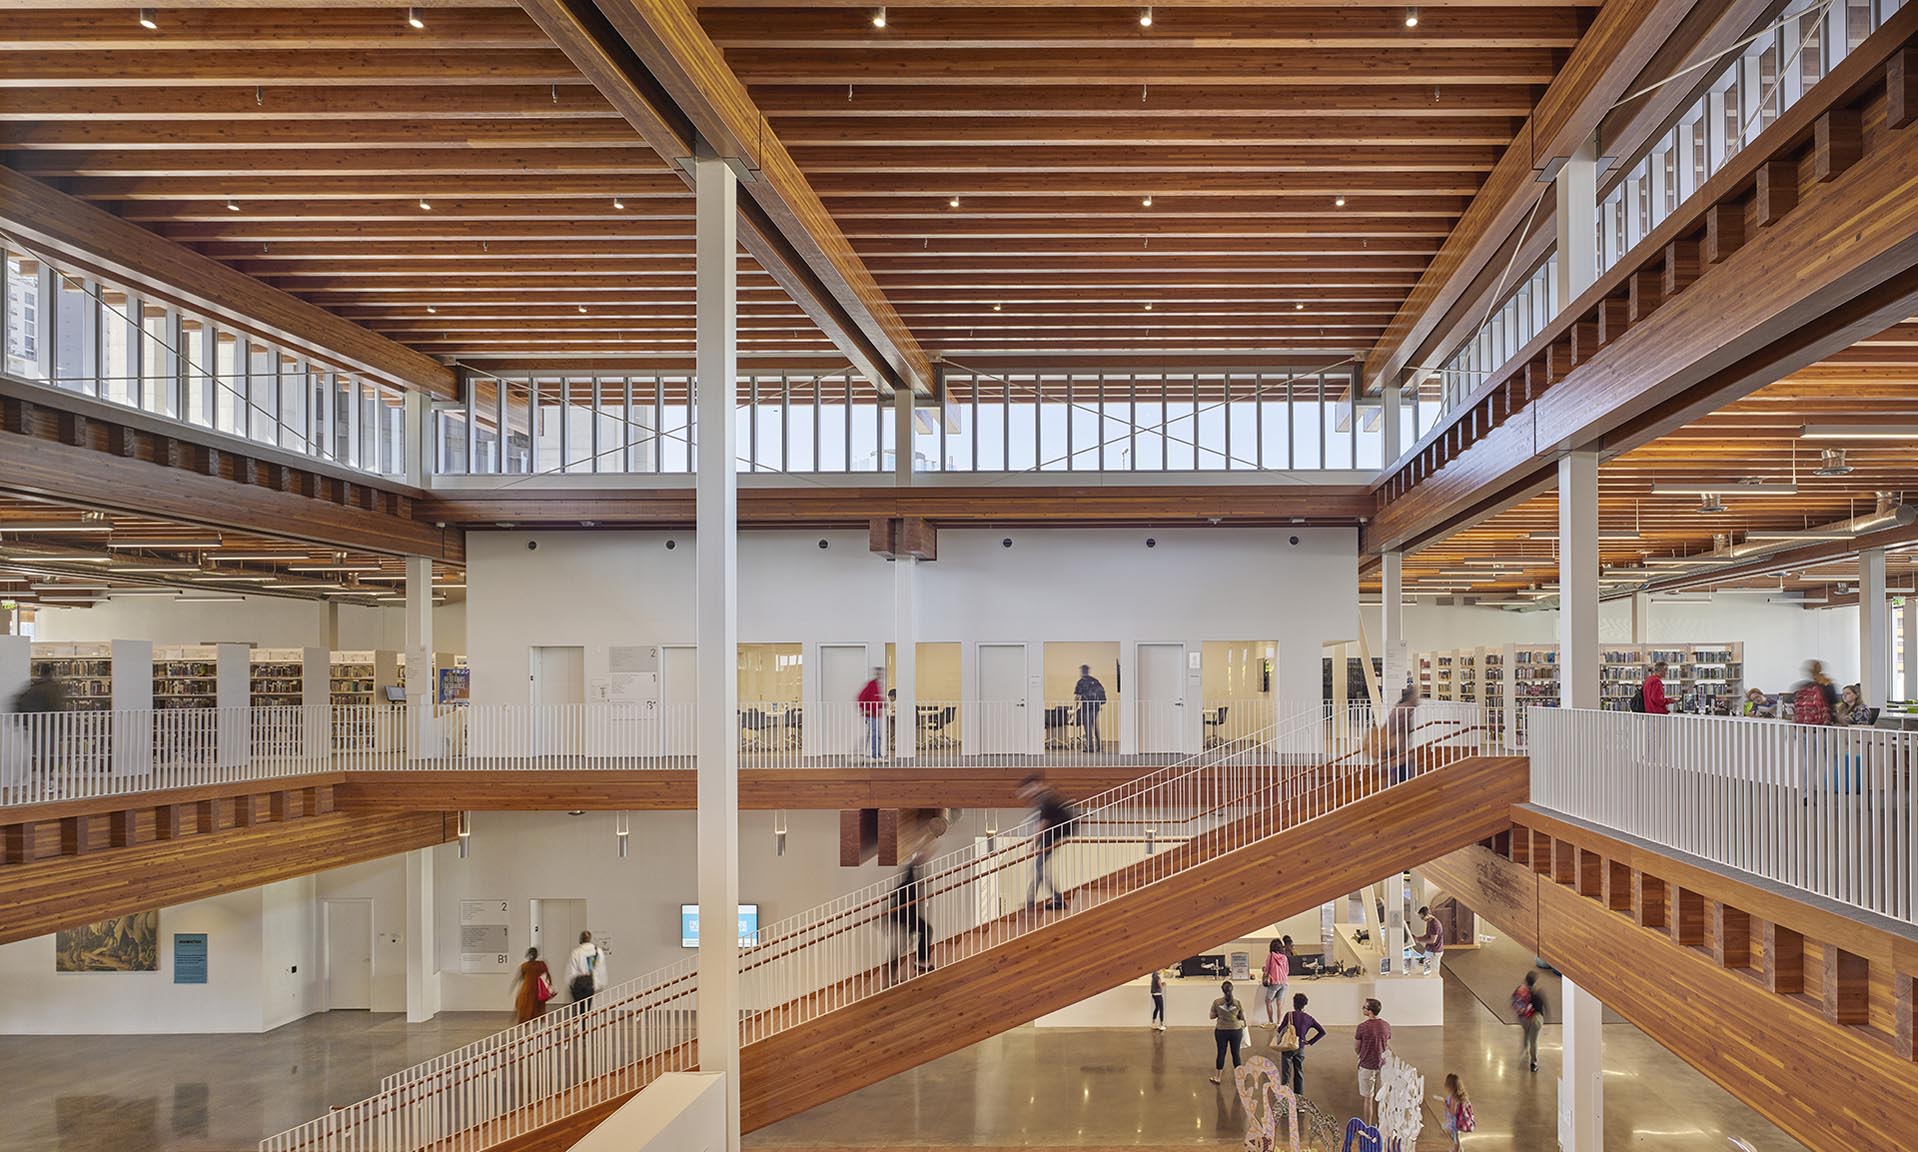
x: 1145, y: 17
x: 1147, y: 202
x: 879, y: 18
x: 415, y: 17
x: 424, y: 206
x: 231, y: 206
x: 147, y: 21
x: 582, y: 308
x: 996, y: 307
x: 1338, y: 201
x: 1412, y: 16
x: 953, y: 203
x: 1148, y: 307
x: 619, y: 204
x: 432, y: 311
x: 1298, y: 307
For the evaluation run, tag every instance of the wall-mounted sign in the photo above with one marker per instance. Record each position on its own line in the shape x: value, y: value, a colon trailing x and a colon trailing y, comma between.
x: 189, y: 957
x: 483, y: 937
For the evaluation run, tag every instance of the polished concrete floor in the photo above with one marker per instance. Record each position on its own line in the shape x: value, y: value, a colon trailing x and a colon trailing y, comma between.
x: 1084, y: 1089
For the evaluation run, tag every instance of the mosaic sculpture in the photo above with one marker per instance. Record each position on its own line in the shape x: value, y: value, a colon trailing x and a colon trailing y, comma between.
x: 1362, y: 1137
x: 1401, y: 1103
x: 1262, y: 1092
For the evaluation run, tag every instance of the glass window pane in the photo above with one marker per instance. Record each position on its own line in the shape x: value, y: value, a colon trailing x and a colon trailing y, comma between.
x: 292, y: 404
x: 801, y: 455
x: 1150, y: 423
x: 198, y: 373
x: 1181, y: 431
x: 1022, y: 422
x: 158, y: 362
x: 26, y: 333
x: 865, y: 430
x: 76, y: 317
x: 992, y: 427
x: 116, y: 355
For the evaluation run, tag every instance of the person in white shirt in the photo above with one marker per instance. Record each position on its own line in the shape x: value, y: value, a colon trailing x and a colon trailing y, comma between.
x: 585, y: 970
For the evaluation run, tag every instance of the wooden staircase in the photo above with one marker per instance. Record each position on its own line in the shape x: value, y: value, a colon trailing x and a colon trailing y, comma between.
x: 1107, y: 941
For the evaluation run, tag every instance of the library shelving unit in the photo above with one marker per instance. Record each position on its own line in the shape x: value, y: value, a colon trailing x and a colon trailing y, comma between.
x: 279, y: 677
x: 1706, y: 678
x: 353, y: 681
x: 1442, y: 686
x: 186, y: 677
x: 1532, y: 682
x: 1465, y: 675
x: 85, y: 670
x: 1424, y: 661
x: 1491, y: 676
x: 281, y: 680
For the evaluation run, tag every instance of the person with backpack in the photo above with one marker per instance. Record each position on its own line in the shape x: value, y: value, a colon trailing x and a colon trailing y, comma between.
x: 1458, y: 1109
x: 1815, y: 698
x: 1054, y: 817
x: 1228, y: 1028
x: 1297, y: 1032
x: 1528, y: 1004
x: 1091, y: 696
x: 1278, y: 969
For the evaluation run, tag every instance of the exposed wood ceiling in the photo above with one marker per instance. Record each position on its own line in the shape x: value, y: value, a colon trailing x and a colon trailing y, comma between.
x: 327, y: 125
x: 1757, y: 438
x: 149, y: 554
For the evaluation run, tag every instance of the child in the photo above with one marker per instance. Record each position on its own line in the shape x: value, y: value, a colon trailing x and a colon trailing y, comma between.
x: 1458, y: 1109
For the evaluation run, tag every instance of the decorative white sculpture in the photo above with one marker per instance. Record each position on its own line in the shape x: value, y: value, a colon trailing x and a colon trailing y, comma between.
x: 1261, y: 1092
x: 1401, y: 1103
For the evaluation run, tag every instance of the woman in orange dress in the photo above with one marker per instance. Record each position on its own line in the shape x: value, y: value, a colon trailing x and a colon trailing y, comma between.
x: 533, y: 977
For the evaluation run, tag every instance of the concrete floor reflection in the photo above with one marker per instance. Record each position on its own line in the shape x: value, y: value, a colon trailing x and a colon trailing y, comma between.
x: 1030, y: 1087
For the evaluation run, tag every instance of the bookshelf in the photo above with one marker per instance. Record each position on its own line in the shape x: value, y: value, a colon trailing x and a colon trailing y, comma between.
x: 278, y: 677
x: 84, y: 670
x: 1491, y: 674
x: 186, y: 677
x: 1707, y: 678
x: 353, y: 680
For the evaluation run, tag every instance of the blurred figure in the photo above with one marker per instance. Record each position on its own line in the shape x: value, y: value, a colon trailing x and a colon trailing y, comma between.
x: 872, y: 705
x: 908, y: 911
x: 42, y: 694
x: 533, y: 987
x: 1091, y: 696
x: 1528, y: 1004
x: 1158, y: 1000
x: 1815, y: 698
x: 585, y: 971
x: 1392, y: 740
x: 1054, y: 817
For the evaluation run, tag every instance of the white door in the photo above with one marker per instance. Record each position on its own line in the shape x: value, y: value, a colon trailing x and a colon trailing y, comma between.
x: 556, y: 927
x: 559, y: 686
x: 678, y: 697
x: 1161, y: 697
x: 349, y: 954
x: 834, y: 724
x: 1002, y: 723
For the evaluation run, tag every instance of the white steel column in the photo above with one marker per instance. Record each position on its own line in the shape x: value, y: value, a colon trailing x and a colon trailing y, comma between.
x: 1874, y: 629
x: 1391, y: 399
x: 1577, y: 192
x: 905, y: 657
x: 422, y: 741
x: 422, y: 972
x: 1641, y: 617
x: 1392, y: 627
x: 1578, y: 579
x: 1911, y: 649
x: 1581, y: 1080
x: 716, y: 272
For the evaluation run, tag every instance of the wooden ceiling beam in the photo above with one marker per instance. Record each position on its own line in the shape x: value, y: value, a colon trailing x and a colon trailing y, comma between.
x: 447, y: 29
x: 1623, y: 37
x: 1041, y: 130
x: 571, y: 99
x: 1094, y: 203
x: 883, y: 268
x: 616, y: 244
x: 1141, y: 158
x: 1155, y: 67
x: 327, y: 163
x: 403, y: 185
x: 395, y: 131
x: 253, y: 68
x: 1275, y: 27
x: 1129, y: 100
x: 1325, y: 185
x: 63, y: 226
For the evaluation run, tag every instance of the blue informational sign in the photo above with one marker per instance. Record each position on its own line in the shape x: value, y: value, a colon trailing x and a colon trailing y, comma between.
x: 689, y: 925
x: 189, y: 957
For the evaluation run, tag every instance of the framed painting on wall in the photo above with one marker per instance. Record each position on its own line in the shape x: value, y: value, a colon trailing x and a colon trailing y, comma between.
x: 120, y: 944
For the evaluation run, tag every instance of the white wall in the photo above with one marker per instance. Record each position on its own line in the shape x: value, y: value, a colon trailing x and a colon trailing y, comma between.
x: 264, y: 621
x: 1778, y: 638
x: 520, y: 857
x: 612, y: 588
x: 290, y: 961
x: 383, y: 882
x: 45, y: 1002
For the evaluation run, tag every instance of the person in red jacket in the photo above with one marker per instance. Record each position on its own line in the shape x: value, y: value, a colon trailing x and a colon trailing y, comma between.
x: 872, y: 705
x: 1656, y: 702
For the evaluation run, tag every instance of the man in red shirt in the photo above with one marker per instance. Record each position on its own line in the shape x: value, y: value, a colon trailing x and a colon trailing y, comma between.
x: 1370, y: 1040
x: 1656, y: 702
x: 872, y: 705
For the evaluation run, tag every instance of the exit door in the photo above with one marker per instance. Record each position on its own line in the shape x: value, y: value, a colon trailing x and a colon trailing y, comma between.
x: 558, y: 691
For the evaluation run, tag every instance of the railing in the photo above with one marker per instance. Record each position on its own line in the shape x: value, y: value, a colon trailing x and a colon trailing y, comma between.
x: 87, y: 754
x: 1311, y: 762
x: 1828, y: 810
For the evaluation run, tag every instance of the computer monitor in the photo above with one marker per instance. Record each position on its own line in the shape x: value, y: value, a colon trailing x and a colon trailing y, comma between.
x: 689, y: 925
